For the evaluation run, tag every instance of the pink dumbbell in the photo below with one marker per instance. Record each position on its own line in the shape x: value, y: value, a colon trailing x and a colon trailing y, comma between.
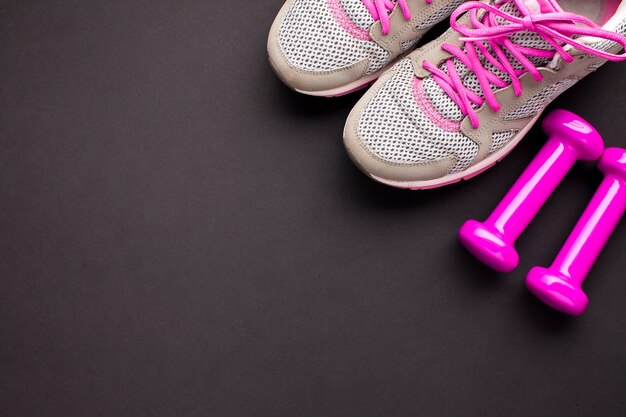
x: 560, y: 285
x: 570, y: 139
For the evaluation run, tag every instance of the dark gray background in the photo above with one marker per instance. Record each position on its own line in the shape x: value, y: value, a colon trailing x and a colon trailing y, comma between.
x: 181, y: 235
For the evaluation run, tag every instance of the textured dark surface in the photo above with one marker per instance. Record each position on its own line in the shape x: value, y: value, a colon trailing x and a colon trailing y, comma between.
x: 181, y: 235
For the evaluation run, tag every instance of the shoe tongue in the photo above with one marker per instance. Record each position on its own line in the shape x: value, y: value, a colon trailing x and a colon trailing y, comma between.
x: 528, y: 39
x: 541, y: 6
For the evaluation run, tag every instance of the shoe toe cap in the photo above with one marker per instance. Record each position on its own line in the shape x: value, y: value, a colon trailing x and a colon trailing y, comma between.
x: 391, y: 138
x: 310, y: 51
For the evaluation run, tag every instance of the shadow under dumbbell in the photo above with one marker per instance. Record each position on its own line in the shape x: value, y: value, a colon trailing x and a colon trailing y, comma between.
x: 478, y: 274
x: 543, y: 316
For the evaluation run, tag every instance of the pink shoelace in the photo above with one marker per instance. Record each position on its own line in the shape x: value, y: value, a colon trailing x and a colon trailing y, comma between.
x: 558, y: 29
x: 379, y: 9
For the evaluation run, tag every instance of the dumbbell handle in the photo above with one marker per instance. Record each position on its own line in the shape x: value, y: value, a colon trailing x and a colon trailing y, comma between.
x: 493, y: 241
x: 533, y: 188
x: 593, y: 230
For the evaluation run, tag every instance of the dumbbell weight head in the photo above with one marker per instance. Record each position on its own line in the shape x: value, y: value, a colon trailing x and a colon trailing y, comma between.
x: 613, y: 162
x: 576, y: 132
x: 560, y: 286
x: 488, y: 246
x: 556, y: 290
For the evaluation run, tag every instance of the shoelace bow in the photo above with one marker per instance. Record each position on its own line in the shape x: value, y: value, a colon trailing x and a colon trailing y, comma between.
x: 555, y: 28
x: 379, y: 9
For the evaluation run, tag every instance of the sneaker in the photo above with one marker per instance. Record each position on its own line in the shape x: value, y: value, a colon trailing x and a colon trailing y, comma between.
x: 461, y: 103
x: 333, y: 47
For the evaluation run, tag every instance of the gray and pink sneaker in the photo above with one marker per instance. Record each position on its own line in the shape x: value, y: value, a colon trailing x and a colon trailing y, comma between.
x: 461, y: 103
x: 334, y: 47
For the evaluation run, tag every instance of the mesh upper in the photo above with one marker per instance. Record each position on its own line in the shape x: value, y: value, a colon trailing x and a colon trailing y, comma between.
x: 500, y: 139
x: 539, y: 101
x: 442, y: 102
x: 357, y: 12
x: 606, y: 45
x: 408, y: 44
x: 394, y: 128
x: 440, y: 14
x: 312, y: 40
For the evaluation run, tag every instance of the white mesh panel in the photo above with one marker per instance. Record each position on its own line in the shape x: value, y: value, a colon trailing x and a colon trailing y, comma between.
x: 439, y: 15
x: 539, y: 101
x: 408, y: 45
x: 621, y: 28
x: 312, y: 40
x: 394, y: 127
x: 606, y: 45
x: 357, y: 12
x: 500, y: 139
x: 442, y: 102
